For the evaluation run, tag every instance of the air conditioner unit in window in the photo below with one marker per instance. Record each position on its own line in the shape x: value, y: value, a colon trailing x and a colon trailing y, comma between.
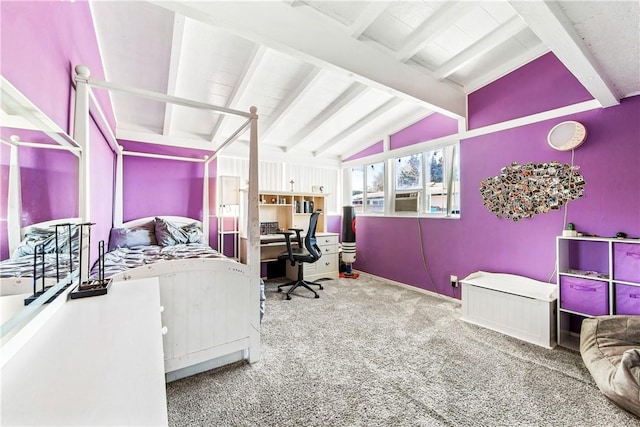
x: 407, y: 202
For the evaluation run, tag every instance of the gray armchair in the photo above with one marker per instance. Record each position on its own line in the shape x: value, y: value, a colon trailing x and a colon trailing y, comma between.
x: 610, y: 348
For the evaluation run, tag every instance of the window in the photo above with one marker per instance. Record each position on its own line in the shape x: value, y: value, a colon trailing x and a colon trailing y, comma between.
x: 455, y: 181
x: 442, y: 186
x: 375, y: 188
x: 408, y: 173
x: 357, y: 188
x: 423, y: 183
x: 436, y: 190
x: 370, y: 197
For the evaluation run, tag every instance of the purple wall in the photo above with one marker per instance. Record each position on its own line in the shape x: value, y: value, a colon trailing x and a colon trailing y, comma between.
x: 41, y: 42
x: 376, y: 148
x: 161, y: 187
x: 334, y: 224
x: 103, y: 161
x: 431, y: 127
x: 391, y: 247
x: 167, y: 187
x: 521, y: 93
x: 49, y: 179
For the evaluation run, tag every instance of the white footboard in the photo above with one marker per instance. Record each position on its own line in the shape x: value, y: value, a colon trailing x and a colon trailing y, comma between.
x: 21, y: 285
x: 211, y: 312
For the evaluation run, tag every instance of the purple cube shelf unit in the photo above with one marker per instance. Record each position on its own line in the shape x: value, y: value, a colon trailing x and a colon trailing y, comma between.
x: 596, y: 276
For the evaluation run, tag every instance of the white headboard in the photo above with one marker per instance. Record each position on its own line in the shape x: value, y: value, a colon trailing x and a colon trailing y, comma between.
x: 178, y: 220
x: 46, y: 224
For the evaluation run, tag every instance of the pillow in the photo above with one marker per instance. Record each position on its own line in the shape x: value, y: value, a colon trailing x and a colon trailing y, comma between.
x: 143, y: 235
x: 194, y: 233
x: 170, y: 234
x: 47, y: 236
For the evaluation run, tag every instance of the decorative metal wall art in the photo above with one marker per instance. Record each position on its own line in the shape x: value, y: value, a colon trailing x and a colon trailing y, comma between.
x: 522, y: 191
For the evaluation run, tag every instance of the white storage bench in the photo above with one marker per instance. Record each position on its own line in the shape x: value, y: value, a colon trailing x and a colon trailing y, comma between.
x: 513, y: 305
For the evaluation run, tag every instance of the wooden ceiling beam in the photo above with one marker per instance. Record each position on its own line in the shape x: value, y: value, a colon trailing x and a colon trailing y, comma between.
x: 551, y: 25
x: 506, y: 67
x: 346, y: 98
x: 297, y: 31
x: 439, y: 21
x: 174, y: 68
x: 291, y: 101
x: 251, y: 66
x: 489, y: 42
x: 370, y: 13
x: 368, y: 118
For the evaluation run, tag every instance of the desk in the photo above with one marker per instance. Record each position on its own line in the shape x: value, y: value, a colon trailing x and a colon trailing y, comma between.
x: 328, y: 266
x: 97, y: 361
x: 272, y: 245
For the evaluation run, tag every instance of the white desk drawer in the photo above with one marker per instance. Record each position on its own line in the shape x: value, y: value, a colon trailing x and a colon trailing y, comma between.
x: 328, y: 249
x: 331, y: 239
x: 326, y: 264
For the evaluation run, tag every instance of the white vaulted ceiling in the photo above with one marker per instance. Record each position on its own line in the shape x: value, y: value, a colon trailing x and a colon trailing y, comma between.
x: 330, y: 78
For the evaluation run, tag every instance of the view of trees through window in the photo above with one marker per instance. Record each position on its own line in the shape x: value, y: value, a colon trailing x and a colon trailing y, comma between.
x: 357, y: 188
x: 436, y: 188
x: 371, y: 200
x: 435, y: 160
x: 409, y: 172
x: 375, y: 188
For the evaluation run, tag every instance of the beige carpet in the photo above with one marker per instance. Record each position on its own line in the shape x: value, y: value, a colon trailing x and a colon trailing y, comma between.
x: 369, y: 353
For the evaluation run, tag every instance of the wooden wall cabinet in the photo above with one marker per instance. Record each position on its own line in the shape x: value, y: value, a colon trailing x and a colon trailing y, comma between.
x: 290, y: 210
x: 596, y: 276
x: 284, y: 210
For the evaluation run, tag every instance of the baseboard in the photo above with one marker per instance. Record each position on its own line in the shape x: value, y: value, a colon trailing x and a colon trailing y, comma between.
x: 204, y: 366
x: 413, y: 288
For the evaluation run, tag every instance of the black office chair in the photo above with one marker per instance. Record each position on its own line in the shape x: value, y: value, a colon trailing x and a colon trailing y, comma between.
x: 308, y: 253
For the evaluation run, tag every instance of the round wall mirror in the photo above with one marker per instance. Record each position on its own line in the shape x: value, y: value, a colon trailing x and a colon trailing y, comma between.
x: 566, y: 136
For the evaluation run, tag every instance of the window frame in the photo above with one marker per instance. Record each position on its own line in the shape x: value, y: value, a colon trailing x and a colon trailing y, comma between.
x: 450, y: 180
x: 364, y: 208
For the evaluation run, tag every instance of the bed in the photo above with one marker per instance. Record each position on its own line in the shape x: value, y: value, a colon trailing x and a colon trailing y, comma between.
x: 210, y: 314
x: 16, y: 273
x: 210, y: 303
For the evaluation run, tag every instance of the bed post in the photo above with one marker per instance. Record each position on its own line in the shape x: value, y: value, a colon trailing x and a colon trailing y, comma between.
x: 118, y: 214
x: 253, y: 233
x: 81, y: 136
x: 14, y: 207
x: 205, y: 201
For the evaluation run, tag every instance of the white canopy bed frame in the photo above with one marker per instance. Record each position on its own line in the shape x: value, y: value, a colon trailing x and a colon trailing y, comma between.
x: 18, y: 112
x: 219, y: 296
x: 211, y: 306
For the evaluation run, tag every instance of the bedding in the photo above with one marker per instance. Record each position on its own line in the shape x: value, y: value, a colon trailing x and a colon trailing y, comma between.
x: 151, y: 242
x: 169, y: 234
x: 142, y: 235
x: 123, y: 258
x: 47, y: 237
x: 21, y: 262
x: 23, y: 266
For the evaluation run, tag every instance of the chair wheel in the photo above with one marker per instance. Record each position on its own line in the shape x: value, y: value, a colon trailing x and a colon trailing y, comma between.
x: 321, y: 288
x: 317, y: 296
x: 279, y: 290
x: 288, y: 297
